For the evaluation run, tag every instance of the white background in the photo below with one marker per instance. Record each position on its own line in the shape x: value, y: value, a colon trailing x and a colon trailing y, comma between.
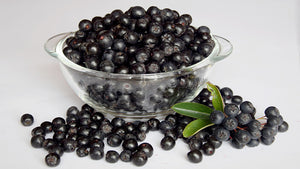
x: 263, y: 68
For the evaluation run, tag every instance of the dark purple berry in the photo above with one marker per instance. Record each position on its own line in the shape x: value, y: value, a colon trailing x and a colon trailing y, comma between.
x: 195, y: 156
x: 82, y: 151
x: 283, y: 127
x: 147, y: 148
x: 27, y: 119
x: 85, y: 25
x: 216, y: 117
x: 167, y: 143
x: 208, y: 149
x: 125, y: 155
x: 96, y: 153
x: 226, y: 93
x: 247, y: 107
x: 37, y: 141
x: 112, y: 156
x: 139, y: 158
x: 114, y: 140
x: 130, y: 144
x: 236, y: 99
x: 231, y: 110
x: 52, y: 160
x: 272, y: 111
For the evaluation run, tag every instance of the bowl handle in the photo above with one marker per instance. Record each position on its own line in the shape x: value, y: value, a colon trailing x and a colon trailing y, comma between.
x: 225, y: 49
x: 50, y: 45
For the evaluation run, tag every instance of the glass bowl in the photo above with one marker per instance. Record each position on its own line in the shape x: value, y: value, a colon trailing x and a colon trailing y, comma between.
x: 136, y: 96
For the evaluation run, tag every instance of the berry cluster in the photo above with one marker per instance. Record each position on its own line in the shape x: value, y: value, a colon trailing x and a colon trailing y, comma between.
x: 139, y: 41
x: 86, y: 131
x: 130, y: 97
x: 238, y: 123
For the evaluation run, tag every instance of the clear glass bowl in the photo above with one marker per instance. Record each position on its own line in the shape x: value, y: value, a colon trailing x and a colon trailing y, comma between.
x: 136, y: 96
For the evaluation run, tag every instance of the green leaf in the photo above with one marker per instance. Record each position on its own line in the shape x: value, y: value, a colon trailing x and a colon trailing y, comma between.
x: 194, y: 110
x: 195, y: 126
x: 217, y: 100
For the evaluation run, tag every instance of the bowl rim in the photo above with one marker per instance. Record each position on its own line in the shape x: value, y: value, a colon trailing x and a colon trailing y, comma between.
x: 148, y: 76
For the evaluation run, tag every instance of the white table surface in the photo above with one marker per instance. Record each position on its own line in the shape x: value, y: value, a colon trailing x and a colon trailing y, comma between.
x: 263, y: 68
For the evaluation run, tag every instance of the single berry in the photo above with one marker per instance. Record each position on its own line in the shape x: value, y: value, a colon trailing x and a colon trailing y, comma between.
x: 195, y: 143
x: 125, y: 155
x: 37, y: 141
x: 82, y: 151
x: 153, y: 124
x: 231, y: 110
x: 114, y: 140
x: 267, y: 141
x: 236, y: 99
x: 216, y: 117
x: 247, y: 107
x: 272, y: 111
x: 268, y: 132
x: 254, y: 125
x: 96, y: 153
x: 139, y: 158
x: 208, y: 149
x: 69, y: 145
x: 38, y: 131
x: 226, y: 93
x: 130, y: 144
x: 112, y: 156
x: 230, y: 123
x: 283, y: 127
x: 212, y: 140
x: 27, y: 119
x: 242, y: 136
x: 147, y: 148
x: 195, y: 156
x: 167, y: 143
x: 52, y: 160
x: 221, y: 134
x: 244, y: 118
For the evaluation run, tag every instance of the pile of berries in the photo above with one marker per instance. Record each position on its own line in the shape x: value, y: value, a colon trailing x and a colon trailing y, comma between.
x: 85, y: 131
x: 139, y: 41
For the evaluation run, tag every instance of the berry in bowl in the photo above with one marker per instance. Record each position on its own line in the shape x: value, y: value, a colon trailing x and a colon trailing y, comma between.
x: 137, y: 64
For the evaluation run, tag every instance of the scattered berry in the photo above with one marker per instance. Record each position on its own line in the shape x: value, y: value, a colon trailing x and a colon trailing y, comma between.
x: 27, y: 119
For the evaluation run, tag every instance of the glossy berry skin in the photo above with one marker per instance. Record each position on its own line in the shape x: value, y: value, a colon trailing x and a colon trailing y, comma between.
x: 47, y: 126
x: 267, y: 141
x: 283, y: 127
x: 205, y: 49
x: 195, y: 156
x: 254, y: 125
x: 208, y: 149
x: 27, y: 119
x: 230, y: 123
x: 236, y: 99
x: 107, y: 66
x: 153, y: 124
x: 52, y: 160
x: 69, y: 145
x: 195, y: 143
x: 231, y: 110
x: 147, y: 148
x: 139, y: 158
x: 217, y: 117
x: 167, y: 143
x: 137, y: 12
x: 272, y: 111
x: 82, y: 151
x: 125, y: 155
x: 247, y: 107
x: 244, y: 118
x: 226, y: 93
x: 85, y: 25
x: 268, y: 132
x: 203, y: 30
x: 130, y: 144
x: 242, y: 136
x: 96, y: 153
x: 112, y: 156
x: 221, y: 134
x: 114, y: 140
x: 37, y: 141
